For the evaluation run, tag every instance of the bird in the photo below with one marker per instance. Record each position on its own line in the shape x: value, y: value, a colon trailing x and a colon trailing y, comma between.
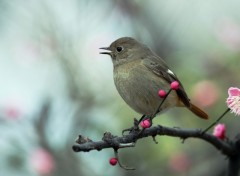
x: 139, y: 73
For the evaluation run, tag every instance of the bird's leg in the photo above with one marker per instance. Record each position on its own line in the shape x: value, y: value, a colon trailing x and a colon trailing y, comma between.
x: 150, y: 117
x: 132, y: 129
x: 135, y: 128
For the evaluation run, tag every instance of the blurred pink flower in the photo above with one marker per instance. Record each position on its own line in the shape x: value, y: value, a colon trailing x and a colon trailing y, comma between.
x: 205, y: 93
x: 219, y: 131
x: 42, y: 161
x: 233, y: 100
x: 12, y: 112
x: 228, y: 31
x: 179, y: 162
x: 12, y: 109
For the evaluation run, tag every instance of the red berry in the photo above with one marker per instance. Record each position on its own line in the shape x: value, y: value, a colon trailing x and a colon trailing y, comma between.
x: 162, y: 93
x: 113, y: 161
x: 145, y: 123
x: 175, y: 85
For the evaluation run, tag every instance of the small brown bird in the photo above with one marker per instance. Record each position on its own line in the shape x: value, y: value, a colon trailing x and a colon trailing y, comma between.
x: 139, y: 74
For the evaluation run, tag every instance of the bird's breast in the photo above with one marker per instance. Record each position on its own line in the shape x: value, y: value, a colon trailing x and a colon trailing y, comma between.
x: 139, y: 86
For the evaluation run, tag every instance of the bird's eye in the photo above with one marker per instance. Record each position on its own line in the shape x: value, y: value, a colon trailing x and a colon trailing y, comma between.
x: 119, y: 49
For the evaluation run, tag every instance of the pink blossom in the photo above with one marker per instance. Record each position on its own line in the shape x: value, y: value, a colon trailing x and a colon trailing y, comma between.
x: 219, y: 131
x: 205, y: 93
x: 233, y: 100
x: 42, y: 161
x: 228, y: 32
x: 12, y: 112
x: 145, y: 123
x: 13, y: 108
x: 179, y: 162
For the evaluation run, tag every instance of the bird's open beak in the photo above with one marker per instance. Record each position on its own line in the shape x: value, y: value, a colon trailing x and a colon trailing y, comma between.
x: 106, y: 48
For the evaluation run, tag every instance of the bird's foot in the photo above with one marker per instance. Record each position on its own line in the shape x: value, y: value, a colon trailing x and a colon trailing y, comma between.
x: 136, y: 129
x: 145, y: 122
x: 133, y: 129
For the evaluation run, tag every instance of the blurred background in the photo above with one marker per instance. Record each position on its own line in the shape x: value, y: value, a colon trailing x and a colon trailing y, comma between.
x: 55, y: 85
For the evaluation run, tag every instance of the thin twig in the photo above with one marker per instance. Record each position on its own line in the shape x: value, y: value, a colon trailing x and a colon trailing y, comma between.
x: 219, y: 118
x: 120, y: 163
x: 160, y: 105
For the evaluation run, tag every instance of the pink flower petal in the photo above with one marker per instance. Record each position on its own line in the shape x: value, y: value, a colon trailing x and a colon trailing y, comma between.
x: 233, y: 91
x: 229, y: 101
x: 219, y: 131
x: 233, y: 101
x: 42, y: 162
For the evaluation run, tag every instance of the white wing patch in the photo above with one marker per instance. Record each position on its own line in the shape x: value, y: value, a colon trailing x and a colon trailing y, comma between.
x: 170, y: 72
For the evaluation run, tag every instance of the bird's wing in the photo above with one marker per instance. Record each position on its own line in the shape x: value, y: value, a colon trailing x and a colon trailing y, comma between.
x: 160, y: 68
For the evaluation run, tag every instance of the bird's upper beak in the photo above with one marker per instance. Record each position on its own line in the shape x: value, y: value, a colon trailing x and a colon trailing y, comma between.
x: 106, y: 48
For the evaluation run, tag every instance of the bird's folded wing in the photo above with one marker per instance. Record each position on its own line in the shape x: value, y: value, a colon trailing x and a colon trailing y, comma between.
x: 160, y: 68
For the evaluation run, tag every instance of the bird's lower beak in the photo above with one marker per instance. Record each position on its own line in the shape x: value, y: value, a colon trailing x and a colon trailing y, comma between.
x: 106, y: 48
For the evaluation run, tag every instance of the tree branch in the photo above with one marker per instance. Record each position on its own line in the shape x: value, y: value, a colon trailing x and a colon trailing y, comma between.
x: 110, y: 141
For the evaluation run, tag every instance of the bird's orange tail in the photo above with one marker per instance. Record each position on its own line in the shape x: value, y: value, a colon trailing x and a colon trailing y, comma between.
x: 197, y: 111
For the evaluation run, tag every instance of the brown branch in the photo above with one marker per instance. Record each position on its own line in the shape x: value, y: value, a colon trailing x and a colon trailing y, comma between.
x: 110, y: 141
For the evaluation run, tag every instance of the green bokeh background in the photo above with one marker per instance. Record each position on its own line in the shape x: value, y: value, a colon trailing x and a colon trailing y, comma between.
x: 55, y: 85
